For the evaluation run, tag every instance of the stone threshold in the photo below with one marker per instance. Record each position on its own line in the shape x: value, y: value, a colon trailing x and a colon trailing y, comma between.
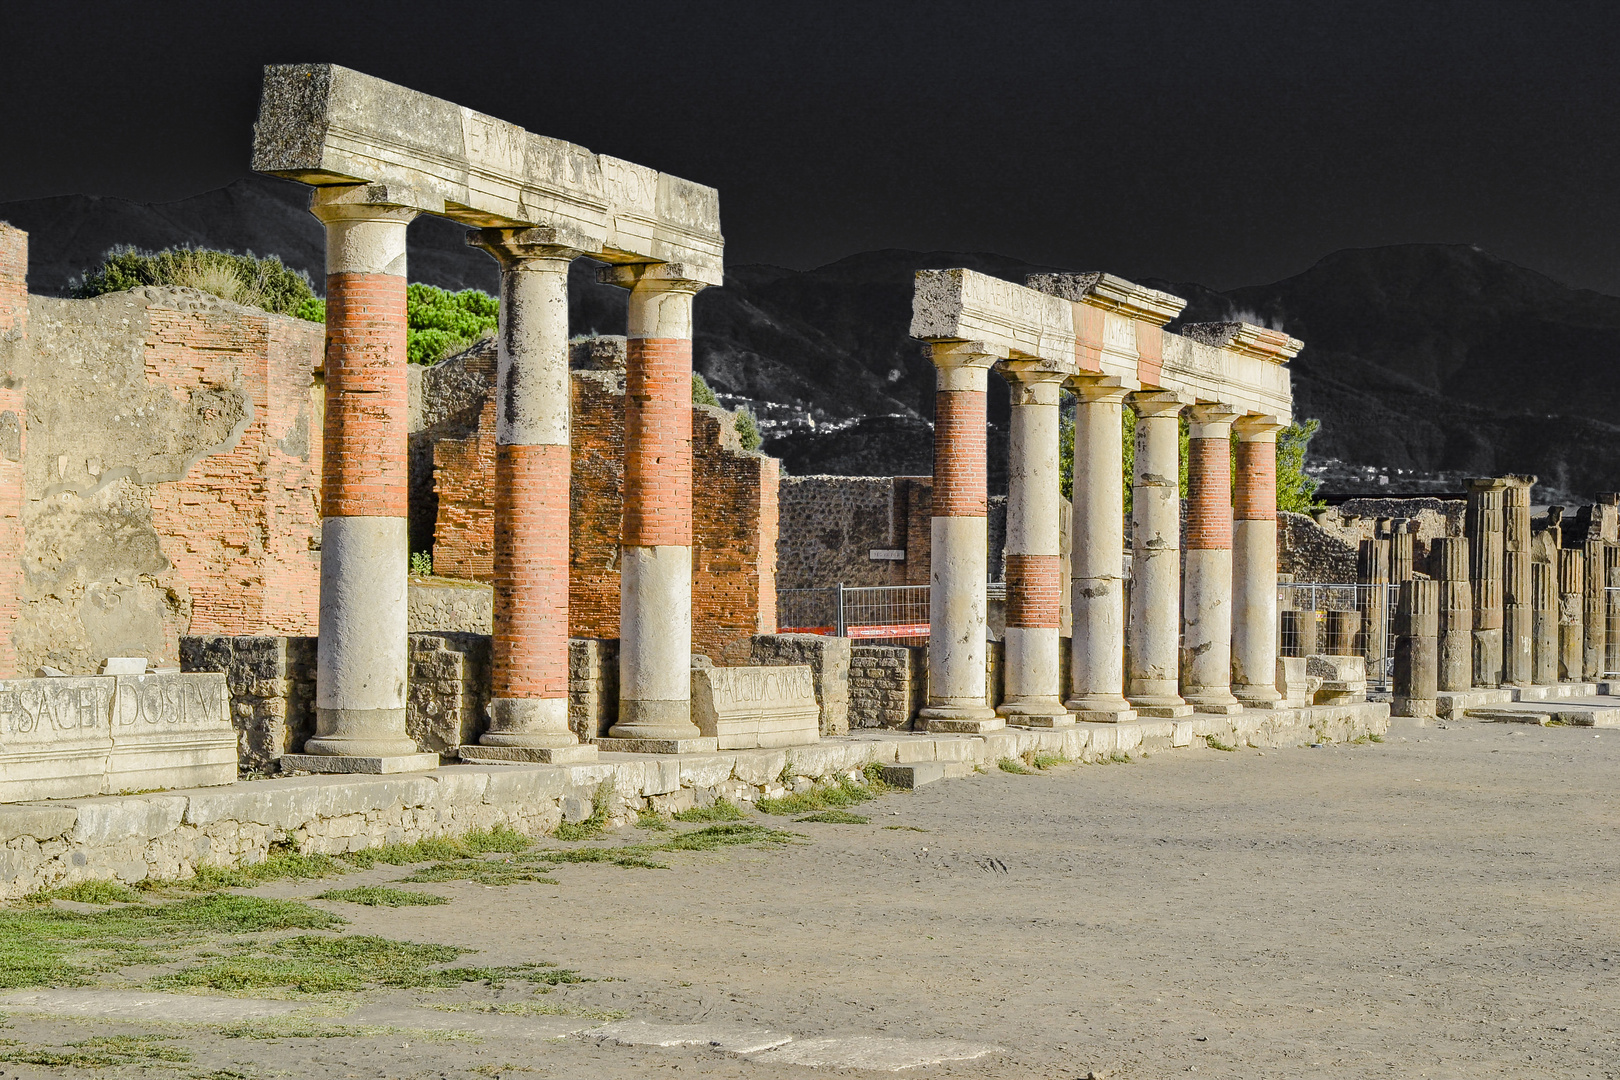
x: 168, y: 835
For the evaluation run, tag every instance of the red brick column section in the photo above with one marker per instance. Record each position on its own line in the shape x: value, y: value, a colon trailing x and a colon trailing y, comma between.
x: 13, y: 438
x: 361, y: 657
x: 658, y: 443
x: 959, y: 546
x: 1206, y: 594
x: 1254, y: 563
x: 528, y: 709
x: 1034, y: 591
x: 655, y: 582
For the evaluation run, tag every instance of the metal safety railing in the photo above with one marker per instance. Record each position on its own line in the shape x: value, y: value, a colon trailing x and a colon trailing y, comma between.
x: 896, y: 613
x: 1372, y: 636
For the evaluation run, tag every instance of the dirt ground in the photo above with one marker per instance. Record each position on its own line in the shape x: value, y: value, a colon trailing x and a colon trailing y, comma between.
x: 1444, y: 904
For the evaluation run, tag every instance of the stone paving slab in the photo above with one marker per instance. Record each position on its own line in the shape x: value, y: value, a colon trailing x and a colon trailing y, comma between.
x: 137, y: 1005
x: 1511, y: 716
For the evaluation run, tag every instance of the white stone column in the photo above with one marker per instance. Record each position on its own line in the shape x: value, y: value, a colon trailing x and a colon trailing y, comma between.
x: 1033, y: 696
x: 655, y: 584
x: 528, y: 708
x: 959, y: 555
x: 1254, y: 564
x: 1206, y: 594
x: 361, y: 657
x: 1155, y: 629
x: 1097, y: 646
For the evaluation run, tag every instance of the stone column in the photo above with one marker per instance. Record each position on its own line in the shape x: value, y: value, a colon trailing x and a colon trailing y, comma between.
x: 1416, y: 674
x: 1448, y: 564
x: 1097, y: 645
x: 1543, y: 624
x: 1254, y: 564
x: 1156, y: 557
x: 960, y: 557
x: 1372, y: 572
x: 361, y: 655
x: 1400, y: 551
x: 1206, y: 593
x: 1485, y: 558
x: 1302, y: 633
x: 1518, y: 605
x: 528, y: 708
x: 1611, y: 606
x: 1033, y: 694
x: 1593, y: 617
x: 655, y: 582
x: 1342, y: 628
x: 1571, y: 616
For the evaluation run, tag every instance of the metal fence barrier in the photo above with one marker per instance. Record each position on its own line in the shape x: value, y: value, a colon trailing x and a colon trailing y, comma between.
x: 890, y: 613
x: 1375, y: 639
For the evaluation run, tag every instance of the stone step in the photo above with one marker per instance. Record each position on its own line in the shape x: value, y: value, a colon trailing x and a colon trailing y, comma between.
x: 1510, y: 716
x: 913, y: 774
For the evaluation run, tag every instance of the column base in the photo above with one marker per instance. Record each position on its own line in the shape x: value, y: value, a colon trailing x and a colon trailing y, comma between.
x: 529, y: 723
x: 528, y: 755
x: 350, y: 763
x: 698, y: 745
x: 1161, y: 706
x: 1217, y: 702
x: 1259, y: 697
x: 1043, y: 712
x: 360, y: 733
x: 1107, y: 716
x: 960, y: 719
x: 643, y: 720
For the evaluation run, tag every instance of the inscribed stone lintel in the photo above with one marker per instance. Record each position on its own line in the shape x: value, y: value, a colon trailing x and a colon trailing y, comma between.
x: 94, y: 735
x: 746, y: 707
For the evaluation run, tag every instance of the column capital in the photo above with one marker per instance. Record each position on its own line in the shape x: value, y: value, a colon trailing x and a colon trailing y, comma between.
x: 1158, y: 402
x: 1032, y: 382
x: 964, y: 354
x: 1210, y: 420
x: 1256, y: 428
x: 371, y: 202
x: 517, y: 249
x: 660, y: 277
x: 1103, y: 390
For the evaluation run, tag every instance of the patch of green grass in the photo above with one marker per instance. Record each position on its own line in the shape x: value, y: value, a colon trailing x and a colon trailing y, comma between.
x: 293, y: 1027
x: 1012, y: 765
x: 95, y: 892
x: 314, y: 964
x: 436, y: 849
x: 282, y: 863
x: 634, y: 856
x: 101, y: 1052
x: 652, y: 819
x: 482, y: 871
x: 906, y: 828
x: 1043, y: 760
x: 837, y: 796
x: 1120, y: 758
x: 836, y: 817
x: 641, y: 855
x: 719, y: 810
x: 727, y: 835
x: 527, y: 1008
x: 591, y: 827
x: 1215, y: 743
x: 381, y: 896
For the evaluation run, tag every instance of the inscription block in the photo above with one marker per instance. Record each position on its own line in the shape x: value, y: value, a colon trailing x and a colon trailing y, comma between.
x: 747, y: 707
x: 63, y: 738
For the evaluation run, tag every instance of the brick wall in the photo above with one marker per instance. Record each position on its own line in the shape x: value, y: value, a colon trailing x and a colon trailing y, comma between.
x: 734, y: 518
x: 242, y: 527
x: 13, y: 434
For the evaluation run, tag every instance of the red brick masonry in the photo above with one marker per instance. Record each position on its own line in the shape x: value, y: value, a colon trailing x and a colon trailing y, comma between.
x: 658, y: 443
x: 959, y: 461
x: 531, y: 572
x: 1034, y: 591
x: 1256, y: 481
x: 364, y: 471
x: 1209, y: 499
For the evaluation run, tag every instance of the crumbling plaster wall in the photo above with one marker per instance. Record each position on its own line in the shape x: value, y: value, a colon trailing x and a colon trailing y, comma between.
x: 170, y: 476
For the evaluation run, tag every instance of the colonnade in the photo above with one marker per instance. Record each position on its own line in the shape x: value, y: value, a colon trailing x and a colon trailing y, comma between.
x: 1207, y: 643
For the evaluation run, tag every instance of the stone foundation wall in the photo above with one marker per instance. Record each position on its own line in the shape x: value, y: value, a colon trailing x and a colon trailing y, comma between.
x: 271, y: 681
x: 169, y: 836
x: 887, y: 685
x: 593, y: 686
x: 447, y: 695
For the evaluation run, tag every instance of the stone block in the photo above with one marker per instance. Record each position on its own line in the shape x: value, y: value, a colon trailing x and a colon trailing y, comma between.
x: 171, y: 730
x: 36, y: 822
x: 742, y: 707
x: 760, y: 767
x: 524, y: 786
x: 527, y: 755
x: 1296, y: 687
x: 702, y: 745
x: 705, y: 770
x: 55, y: 737
x: 914, y: 749
x: 1598, y: 717
x: 1510, y: 716
x: 320, y: 763
x: 109, y: 820
x: 442, y: 605
x: 828, y: 659
x: 913, y: 774
x: 1344, y: 678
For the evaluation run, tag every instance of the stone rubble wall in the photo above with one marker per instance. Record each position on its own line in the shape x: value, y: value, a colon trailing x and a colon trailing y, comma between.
x: 593, y: 686
x: 888, y: 684
x: 168, y: 836
x: 448, y: 690
x: 443, y: 605
x: 271, y: 681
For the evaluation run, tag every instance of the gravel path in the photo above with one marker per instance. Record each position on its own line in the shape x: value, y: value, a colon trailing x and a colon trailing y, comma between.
x: 1444, y: 904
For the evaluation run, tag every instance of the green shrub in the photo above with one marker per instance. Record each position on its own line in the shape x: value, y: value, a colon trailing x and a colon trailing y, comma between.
x: 441, y: 323
x: 245, y: 279
x: 747, y: 428
x: 701, y: 393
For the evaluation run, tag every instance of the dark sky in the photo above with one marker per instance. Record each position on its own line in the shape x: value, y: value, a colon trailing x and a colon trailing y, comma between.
x: 1226, y: 143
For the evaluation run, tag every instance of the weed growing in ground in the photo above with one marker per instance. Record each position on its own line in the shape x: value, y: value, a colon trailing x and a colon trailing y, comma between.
x: 94, y: 892
x: 527, y: 1008
x: 823, y: 797
x: 1119, y: 757
x: 641, y: 856
x: 499, y: 840
x: 719, y: 810
x: 1042, y: 760
x: 381, y: 896
x: 836, y: 817
x: 294, y: 1027
x: 651, y: 819
x: 1012, y: 765
x: 280, y: 864
x: 100, y: 1053
x: 482, y: 871
x: 313, y: 964
x: 591, y: 827
x: 1215, y: 743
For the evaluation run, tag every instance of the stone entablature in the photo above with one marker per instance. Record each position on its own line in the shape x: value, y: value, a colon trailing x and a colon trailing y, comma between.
x: 71, y: 736
x: 328, y: 125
